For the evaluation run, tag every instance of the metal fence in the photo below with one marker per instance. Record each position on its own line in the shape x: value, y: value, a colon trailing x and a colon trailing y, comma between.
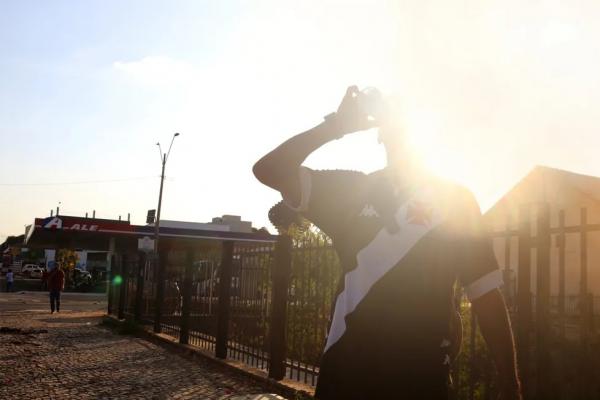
x: 557, y: 341
x: 268, y: 306
x: 250, y: 299
x: 314, y: 278
x: 203, y: 306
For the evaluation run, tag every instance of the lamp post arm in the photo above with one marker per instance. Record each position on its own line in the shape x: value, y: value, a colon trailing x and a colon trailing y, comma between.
x: 160, y: 151
x: 171, y: 145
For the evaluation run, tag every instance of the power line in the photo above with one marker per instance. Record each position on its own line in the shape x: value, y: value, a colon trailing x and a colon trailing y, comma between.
x: 79, y: 182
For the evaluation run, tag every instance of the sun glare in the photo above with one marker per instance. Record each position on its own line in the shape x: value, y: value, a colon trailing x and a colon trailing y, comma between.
x: 424, y: 134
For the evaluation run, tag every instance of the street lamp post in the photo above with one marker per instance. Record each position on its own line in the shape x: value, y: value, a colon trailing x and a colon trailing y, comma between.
x: 163, y: 159
x: 160, y: 264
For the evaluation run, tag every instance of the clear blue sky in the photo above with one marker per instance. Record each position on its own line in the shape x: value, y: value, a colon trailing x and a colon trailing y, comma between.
x: 489, y: 89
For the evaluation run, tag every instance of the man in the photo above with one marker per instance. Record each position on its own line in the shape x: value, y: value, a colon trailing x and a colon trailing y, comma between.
x: 56, y: 284
x: 10, y: 279
x: 403, y: 238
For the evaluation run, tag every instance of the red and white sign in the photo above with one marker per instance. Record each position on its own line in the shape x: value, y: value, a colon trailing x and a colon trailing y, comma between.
x: 83, y: 224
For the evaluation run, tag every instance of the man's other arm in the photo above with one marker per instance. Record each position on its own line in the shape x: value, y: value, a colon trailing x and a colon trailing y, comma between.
x: 495, y: 326
x: 279, y: 168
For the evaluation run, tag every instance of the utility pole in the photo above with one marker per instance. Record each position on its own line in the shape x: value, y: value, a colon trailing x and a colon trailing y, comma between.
x: 157, y: 222
x: 160, y: 262
x: 163, y: 159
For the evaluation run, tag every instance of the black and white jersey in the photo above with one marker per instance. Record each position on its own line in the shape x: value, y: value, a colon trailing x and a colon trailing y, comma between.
x: 401, y: 252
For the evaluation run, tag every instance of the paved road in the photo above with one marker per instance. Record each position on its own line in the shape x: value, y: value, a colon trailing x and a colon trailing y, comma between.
x: 39, y: 301
x: 69, y: 356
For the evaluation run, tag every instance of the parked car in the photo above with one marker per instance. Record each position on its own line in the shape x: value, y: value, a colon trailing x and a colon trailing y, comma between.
x: 36, y: 272
x: 32, y: 271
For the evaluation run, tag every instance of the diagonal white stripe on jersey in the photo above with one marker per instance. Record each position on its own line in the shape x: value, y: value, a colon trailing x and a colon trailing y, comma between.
x: 377, y: 258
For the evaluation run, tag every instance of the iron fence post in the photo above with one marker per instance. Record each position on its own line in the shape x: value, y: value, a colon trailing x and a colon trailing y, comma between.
x: 590, y: 313
x: 524, y: 296
x: 161, y: 261
x: 224, y: 274
x: 561, y: 271
x: 586, y: 363
x: 109, y: 277
x: 123, y: 271
x: 542, y: 307
x: 281, y: 279
x: 187, y: 297
x: 583, y: 283
x: 139, y: 287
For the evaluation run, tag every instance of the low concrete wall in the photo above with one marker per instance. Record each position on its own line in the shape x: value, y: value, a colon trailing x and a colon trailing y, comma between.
x: 30, y: 285
x: 286, y: 387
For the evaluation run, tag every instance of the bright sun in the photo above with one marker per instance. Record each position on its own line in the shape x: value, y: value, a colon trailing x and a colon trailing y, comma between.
x: 424, y: 133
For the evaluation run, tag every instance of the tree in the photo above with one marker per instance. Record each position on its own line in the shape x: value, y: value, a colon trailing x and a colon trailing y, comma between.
x: 68, y: 260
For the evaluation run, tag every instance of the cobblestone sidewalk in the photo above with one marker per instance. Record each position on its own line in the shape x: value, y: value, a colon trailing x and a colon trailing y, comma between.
x: 77, y: 359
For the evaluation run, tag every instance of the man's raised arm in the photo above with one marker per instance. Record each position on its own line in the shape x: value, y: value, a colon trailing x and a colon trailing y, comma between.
x: 279, y: 168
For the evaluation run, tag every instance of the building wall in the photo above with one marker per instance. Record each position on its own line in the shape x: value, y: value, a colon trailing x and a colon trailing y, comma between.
x: 571, y: 201
x: 226, y: 223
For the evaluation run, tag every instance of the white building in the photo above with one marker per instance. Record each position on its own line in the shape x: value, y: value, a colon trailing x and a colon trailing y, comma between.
x: 226, y: 223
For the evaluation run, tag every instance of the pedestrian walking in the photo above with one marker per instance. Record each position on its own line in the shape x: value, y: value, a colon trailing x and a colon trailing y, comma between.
x: 10, y: 279
x: 404, y: 238
x: 56, y: 284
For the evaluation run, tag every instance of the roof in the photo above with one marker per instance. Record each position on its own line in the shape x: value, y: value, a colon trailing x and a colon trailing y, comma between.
x: 552, y: 185
x: 12, y: 241
x: 93, y: 234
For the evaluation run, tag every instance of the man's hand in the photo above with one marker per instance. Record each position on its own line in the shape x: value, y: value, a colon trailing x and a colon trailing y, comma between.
x: 350, y: 116
x: 279, y: 168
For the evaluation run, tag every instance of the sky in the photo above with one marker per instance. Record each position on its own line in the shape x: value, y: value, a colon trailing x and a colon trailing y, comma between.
x: 488, y: 90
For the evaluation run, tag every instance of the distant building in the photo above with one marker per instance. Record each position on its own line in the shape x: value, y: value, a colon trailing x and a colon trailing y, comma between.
x: 100, y: 242
x: 88, y: 236
x: 11, y: 253
x: 226, y: 223
x: 561, y: 190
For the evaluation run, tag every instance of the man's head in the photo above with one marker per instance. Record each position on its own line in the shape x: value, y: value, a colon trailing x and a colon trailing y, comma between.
x: 393, y: 137
x: 9, y: 270
x: 401, y: 156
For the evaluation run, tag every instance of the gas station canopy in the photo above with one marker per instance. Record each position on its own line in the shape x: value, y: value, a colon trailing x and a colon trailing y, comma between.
x: 95, y: 234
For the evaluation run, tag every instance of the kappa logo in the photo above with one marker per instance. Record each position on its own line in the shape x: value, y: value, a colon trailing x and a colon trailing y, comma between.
x: 368, y: 211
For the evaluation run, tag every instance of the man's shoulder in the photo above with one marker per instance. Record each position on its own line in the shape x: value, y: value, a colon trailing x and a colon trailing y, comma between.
x: 452, y: 192
x: 339, y: 178
x: 339, y: 173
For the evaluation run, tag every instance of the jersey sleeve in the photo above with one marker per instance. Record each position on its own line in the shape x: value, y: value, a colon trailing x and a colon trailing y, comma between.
x: 478, y: 269
x: 328, y: 198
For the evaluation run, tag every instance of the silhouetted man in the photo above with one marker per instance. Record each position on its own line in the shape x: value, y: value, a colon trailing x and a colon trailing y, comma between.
x: 56, y: 284
x: 403, y: 238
